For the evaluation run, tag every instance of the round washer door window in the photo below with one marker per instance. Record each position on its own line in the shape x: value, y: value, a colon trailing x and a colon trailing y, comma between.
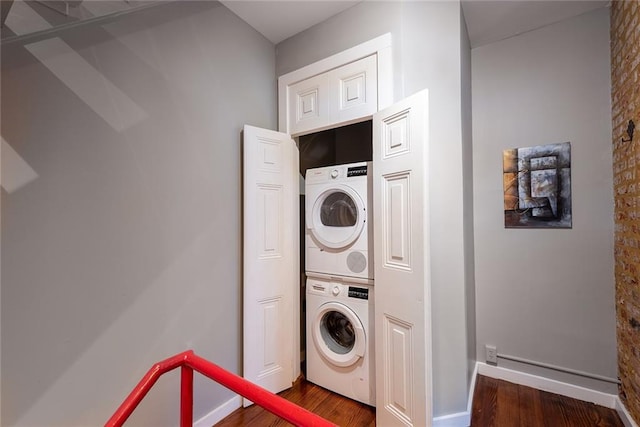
x: 338, y: 217
x: 338, y: 334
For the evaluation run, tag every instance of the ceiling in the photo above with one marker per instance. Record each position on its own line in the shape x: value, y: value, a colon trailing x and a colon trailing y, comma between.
x: 491, y: 21
x: 487, y: 21
x: 277, y: 20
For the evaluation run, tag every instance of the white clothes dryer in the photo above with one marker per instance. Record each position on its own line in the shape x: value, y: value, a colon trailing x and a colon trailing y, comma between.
x: 338, y: 211
x: 340, y: 346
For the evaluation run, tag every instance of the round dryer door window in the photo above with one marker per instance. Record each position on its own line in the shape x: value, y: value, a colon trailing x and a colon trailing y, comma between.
x: 338, y: 217
x: 338, y: 334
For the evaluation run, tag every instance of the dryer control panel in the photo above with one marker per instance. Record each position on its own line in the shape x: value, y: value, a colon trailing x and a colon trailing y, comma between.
x: 337, y: 173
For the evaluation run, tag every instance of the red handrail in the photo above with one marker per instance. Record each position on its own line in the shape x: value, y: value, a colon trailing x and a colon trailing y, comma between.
x: 189, y: 362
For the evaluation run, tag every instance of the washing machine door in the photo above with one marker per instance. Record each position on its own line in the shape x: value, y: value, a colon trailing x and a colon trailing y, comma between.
x: 338, y: 334
x: 337, y: 217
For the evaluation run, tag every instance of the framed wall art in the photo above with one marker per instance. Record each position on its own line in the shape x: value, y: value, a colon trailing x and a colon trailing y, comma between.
x: 537, y: 186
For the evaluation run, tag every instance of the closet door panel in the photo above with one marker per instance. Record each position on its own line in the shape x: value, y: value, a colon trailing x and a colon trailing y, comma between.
x: 309, y: 104
x: 353, y: 90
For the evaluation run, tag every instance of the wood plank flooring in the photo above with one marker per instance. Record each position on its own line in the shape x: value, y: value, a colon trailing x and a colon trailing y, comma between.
x: 333, y: 407
x: 500, y: 403
x: 496, y: 403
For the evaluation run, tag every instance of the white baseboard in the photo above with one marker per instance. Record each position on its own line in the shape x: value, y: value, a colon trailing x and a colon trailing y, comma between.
x: 546, y: 384
x: 472, y: 388
x: 219, y: 413
x: 624, y: 414
x: 460, y: 419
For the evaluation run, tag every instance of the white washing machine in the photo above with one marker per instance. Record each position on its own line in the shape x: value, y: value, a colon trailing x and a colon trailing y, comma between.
x: 340, y: 346
x: 338, y: 211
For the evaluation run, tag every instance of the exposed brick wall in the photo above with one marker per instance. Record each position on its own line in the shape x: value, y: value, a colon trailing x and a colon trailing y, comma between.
x: 625, y: 81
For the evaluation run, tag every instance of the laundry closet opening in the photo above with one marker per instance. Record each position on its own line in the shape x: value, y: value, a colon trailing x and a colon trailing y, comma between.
x: 338, y: 146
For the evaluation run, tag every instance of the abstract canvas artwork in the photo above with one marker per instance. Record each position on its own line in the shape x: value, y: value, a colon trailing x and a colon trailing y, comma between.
x: 537, y: 186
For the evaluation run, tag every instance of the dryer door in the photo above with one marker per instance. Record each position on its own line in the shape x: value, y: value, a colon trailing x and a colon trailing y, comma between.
x: 338, y: 334
x: 337, y: 217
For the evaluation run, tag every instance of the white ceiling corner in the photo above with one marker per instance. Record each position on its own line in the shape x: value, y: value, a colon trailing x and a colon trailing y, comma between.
x: 279, y: 20
x: 491, y: 21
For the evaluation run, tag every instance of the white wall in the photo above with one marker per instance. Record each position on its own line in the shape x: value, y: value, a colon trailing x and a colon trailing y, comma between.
x: 547, y: 295
x: 125, y: 248
x: 467, y: 170
x: 427, y: 54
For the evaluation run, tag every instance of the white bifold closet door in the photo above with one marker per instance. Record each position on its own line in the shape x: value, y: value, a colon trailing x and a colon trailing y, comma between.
x: 401, y: 256
x: 271, y: 257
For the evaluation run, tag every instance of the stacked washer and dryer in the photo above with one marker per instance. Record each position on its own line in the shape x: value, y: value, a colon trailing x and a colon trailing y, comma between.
x: 339, y: 267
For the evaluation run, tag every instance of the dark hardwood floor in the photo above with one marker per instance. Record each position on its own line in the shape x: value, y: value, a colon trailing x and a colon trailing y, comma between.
x: 503, y: 404
x: 496, y: 403
x: 335, y: 408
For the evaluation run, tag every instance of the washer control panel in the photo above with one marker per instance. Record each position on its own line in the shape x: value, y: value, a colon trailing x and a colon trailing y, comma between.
x: 338, y: 290
x: 357, y: 171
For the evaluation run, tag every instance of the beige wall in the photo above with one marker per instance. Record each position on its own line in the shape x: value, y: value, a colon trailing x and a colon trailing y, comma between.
x: 121, y: 237
x: 467, y: 194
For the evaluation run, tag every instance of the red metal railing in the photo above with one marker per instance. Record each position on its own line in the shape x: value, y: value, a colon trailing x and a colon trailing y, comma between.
x: 189, y: 361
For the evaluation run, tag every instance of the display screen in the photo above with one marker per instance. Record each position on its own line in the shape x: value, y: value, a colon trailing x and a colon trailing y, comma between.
x: 362, y: 293
x: 357, y: 171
